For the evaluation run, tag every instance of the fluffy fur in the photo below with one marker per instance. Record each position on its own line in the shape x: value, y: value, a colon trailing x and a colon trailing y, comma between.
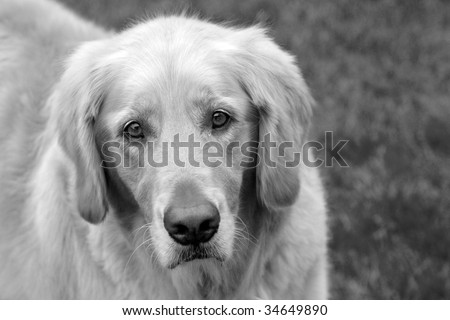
x: 72, y: 229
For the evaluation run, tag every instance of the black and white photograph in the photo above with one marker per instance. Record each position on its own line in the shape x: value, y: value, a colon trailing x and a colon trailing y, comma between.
x: 225, y: 150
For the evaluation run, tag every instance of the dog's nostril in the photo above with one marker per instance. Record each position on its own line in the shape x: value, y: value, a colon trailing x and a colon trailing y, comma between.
x: 180, y: 229
x: 192, y: 225
x: 206, y: 225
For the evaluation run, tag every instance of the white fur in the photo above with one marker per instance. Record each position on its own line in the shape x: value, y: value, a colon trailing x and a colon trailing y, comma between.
x: 47, y: 250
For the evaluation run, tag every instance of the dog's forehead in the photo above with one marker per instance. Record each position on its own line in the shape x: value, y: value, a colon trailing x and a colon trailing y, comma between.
x: 176, y: 76
x: 185, y: 91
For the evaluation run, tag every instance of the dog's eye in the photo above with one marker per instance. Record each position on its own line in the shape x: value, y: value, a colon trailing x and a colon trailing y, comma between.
x: 133, y: 129
x: 219, y: 119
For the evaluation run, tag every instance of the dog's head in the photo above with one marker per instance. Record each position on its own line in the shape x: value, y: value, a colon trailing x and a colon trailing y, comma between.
x: 164, y: 123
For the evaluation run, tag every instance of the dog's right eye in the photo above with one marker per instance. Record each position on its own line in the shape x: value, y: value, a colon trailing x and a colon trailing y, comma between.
x: 133, y: 130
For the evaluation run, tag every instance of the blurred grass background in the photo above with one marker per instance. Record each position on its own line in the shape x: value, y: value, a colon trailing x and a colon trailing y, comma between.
x: 380, y: 72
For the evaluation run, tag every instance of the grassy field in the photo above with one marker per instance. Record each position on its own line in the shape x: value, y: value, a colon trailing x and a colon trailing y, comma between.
x: 380, y: 72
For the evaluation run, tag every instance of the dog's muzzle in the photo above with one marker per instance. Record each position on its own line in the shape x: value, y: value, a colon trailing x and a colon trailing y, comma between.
x: 192, y: 220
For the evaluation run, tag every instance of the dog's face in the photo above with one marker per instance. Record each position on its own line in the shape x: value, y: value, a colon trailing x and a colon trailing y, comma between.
x: 164, y: 120
x: 162, y: 124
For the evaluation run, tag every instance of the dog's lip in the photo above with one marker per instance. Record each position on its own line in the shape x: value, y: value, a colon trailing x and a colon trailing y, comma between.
x: 195, y: 253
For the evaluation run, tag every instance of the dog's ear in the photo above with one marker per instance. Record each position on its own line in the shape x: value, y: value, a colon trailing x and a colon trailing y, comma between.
x: 75, y: 105
x: 275, y: 86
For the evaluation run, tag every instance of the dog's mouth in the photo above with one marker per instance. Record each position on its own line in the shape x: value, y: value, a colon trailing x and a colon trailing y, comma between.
x: 197, y: 252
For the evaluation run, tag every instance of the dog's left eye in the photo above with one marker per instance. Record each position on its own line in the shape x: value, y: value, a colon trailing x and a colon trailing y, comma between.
x: 220, y: 119
x: 133, y: 129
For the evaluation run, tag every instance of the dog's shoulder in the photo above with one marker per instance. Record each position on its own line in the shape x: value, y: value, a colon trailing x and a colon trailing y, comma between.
x: 47, y: 21
x: 36, y: 36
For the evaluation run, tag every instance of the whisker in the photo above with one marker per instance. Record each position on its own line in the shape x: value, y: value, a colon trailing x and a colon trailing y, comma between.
x: 243, y: 233
x: 250, y: 236
x: 143, y: 242
x: 134, y: 251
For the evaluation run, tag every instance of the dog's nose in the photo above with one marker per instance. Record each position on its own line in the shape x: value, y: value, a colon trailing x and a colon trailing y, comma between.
x: 192, y: 225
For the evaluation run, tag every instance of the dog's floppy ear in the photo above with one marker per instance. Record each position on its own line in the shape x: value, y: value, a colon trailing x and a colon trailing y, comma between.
x: 276, y: 88
x: 75, y: 106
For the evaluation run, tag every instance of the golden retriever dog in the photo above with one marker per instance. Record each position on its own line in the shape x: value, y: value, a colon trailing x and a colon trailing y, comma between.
x: 97, y: 202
